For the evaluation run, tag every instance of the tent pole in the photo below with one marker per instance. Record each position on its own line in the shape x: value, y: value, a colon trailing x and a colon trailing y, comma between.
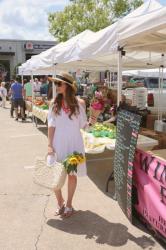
x: 113, y: 79
x: 159, y: 94
x: 32, y: 87
x: 33, y: 96
x: 161, y: 84
x: 119, y: 83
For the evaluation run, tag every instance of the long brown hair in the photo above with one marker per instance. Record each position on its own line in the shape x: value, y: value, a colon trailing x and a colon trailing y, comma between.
x: 71, y: 100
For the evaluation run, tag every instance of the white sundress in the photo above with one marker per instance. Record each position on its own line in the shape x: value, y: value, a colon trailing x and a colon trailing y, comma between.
x: 67, y: 137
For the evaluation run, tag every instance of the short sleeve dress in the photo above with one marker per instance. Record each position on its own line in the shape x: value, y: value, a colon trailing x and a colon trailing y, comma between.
x: 67, y: 137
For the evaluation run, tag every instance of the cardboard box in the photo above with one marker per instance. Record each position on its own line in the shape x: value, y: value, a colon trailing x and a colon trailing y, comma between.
x: 150, y: 121
x: 160, y: 136
x: 160, y: 153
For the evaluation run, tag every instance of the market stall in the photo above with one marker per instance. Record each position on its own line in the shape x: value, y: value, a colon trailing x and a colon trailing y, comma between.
x: 97, y: 145
x: 40, y: 107
x: 28, y: 105
x: 37, y: 107
x: 41, y: 113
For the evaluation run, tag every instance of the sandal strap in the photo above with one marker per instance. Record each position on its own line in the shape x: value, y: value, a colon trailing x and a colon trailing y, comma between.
x: 60, y: 209
x: 68, y: 209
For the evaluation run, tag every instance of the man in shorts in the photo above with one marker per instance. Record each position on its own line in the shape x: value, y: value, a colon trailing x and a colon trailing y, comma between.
x: 17, y: 92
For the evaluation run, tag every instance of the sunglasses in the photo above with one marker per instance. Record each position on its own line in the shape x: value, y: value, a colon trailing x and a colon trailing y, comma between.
x: 58, y: 84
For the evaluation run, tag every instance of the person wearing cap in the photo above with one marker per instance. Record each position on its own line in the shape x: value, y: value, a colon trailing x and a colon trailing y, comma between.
x: 65, y: 119
x: 17, y: 92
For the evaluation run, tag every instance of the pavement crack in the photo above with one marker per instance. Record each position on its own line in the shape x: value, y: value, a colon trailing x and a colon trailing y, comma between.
x: 3, y: 194
x: 44, y: 222
x: 40, y: 194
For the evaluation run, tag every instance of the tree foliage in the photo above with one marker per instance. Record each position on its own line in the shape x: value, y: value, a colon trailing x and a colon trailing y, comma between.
x: 80, y: 15
x: 121, y: 8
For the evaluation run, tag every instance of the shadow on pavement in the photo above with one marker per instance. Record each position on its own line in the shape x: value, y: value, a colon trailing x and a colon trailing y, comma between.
x: 44, y: 130
x: 102, y: 231
x: 26, y: 121
x: 5, y: 107
x: 99, y: 168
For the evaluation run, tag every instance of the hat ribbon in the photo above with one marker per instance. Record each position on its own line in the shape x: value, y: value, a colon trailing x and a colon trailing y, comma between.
x: 63, y: 79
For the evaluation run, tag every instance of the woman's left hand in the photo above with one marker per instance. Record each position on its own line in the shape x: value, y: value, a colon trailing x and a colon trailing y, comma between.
x: 50, y: 150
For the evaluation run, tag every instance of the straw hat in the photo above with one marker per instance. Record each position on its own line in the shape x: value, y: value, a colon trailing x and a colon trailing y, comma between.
x: 64, y: 77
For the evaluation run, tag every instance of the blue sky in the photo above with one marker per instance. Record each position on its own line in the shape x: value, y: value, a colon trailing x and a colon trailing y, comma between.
x: 163, y: 2
x: 28, y: 19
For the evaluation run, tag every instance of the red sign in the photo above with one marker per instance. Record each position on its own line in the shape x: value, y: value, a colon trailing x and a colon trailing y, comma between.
x: 29, y: 46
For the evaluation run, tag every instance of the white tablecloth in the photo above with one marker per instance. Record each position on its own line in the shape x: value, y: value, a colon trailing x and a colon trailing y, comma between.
x: 95, y: 145
x: 28, y: 106
x: 40, y: 113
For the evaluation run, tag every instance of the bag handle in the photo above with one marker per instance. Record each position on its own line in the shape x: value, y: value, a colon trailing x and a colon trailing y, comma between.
x: 53, y: 155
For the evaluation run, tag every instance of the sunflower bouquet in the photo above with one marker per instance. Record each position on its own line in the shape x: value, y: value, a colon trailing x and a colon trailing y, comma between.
x: 72, y: 161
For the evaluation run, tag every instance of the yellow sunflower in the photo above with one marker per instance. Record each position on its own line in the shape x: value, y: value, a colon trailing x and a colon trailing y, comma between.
x: 73, y: 161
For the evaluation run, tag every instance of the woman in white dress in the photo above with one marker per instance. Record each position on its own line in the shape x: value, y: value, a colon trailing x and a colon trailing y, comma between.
x: 65, y: 119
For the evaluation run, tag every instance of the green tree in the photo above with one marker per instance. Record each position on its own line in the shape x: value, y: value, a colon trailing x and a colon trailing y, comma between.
x: 121, y: 8
x: 80, y: 15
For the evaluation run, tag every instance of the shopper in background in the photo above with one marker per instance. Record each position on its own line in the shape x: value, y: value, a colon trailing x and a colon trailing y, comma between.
x: 0, y: 97
x: 50, y: 91
x: 44, y: 87
x: 3, y: 94
x: 17, y: 92
x: 37, y: 85
x: 27, y: 89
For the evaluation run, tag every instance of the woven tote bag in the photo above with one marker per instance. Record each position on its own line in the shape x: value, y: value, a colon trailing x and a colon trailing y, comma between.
x: 49, y: 176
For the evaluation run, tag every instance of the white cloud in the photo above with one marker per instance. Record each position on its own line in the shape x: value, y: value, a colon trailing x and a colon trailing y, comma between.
x: 27, y: 19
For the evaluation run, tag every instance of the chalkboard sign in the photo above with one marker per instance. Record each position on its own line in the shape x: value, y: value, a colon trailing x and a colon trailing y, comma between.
x: 128, y: 125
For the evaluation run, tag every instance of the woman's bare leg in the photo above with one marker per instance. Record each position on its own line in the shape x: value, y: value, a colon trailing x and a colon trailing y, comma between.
x: 59, y: 197
x: 72, y: 183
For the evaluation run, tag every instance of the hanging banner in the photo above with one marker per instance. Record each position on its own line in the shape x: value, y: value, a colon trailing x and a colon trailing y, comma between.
x: 150, y: 186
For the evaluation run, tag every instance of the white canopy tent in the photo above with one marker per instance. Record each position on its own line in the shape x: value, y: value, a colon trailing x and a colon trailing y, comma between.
x: 56, y: 55
x: 98, y: 50
x: 45, y: 63
x: 140, y: 37
x: 141, y: 34
x: 144, y: 28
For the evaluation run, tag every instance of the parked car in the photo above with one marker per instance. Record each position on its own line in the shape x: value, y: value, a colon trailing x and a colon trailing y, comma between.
x: 152, y: 84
